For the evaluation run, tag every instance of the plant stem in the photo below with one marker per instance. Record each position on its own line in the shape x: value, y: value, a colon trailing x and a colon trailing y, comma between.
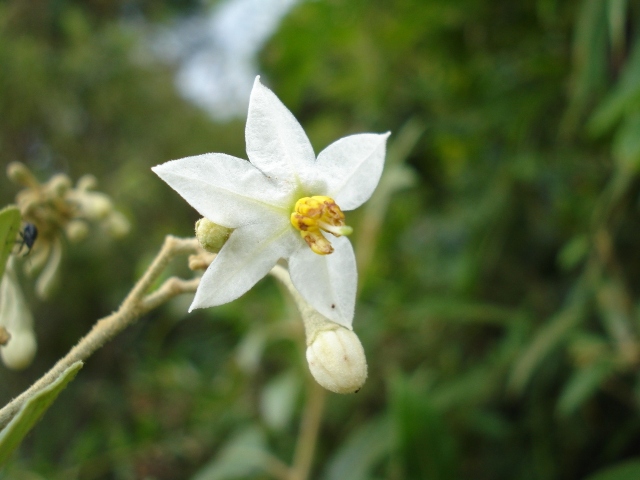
x: 133, y: 307
x: 309, y: 429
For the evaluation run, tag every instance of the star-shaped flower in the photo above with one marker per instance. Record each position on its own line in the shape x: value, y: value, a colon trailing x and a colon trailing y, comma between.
x: 278, y: 204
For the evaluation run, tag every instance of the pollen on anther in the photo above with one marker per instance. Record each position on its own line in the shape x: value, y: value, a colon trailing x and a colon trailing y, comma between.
x: 312, y: 215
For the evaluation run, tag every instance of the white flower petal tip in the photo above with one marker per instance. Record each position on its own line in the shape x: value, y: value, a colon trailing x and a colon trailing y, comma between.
x: 337, y: 361
x: 257, y: 198
x: 352, y: 166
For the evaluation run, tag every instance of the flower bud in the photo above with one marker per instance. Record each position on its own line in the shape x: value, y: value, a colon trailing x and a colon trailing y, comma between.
x: 59, y: 184
x: 95, y: 205
x: 20, y: 174
x: 117, y: 224
x: 76, y: 230
x: 211, y: 235
x: 20, y: 350
x: 16, y: 320
x: 336, y: 360
x: 86, y: 182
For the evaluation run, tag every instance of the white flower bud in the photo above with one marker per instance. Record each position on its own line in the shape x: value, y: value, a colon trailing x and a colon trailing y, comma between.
x: 59, y: 184
x: 86, y: 182
x: 16, y: 319
x: 117, y: 224
x: 76, y: 230
x: 336, y: 360
x: 94, y: 205
x: 21, y: 175
x: 20, y: 350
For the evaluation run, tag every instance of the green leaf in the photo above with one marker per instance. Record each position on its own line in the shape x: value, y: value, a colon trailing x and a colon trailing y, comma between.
x: 550, y: 336
x: 583, y: 384
x: 31, y: 412
x: 626, y: 143
x: 629, y: 470
x: 9, y: 226
x: 589, y: 57
x: 424, y: 443
x: 244, y: 455
x: 451, y: 308
x: 624, y: 98
x: 361, y: 451
x: 574, y: 252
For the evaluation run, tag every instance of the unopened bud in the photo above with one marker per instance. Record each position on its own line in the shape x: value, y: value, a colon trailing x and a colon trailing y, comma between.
x: 95, y: 205
x: 117, y: 224
x: 336, y: 360
x: 59, y: 184
x: 76, y: 230
x: 21, y: 175
x: 211, y: 235
x: 86, y: 182
x: 20, y: 350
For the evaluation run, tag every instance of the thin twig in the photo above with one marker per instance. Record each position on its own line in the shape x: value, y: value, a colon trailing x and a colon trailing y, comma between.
x: 309, y: 429
x: 108, y: 327
x: 172, y: 287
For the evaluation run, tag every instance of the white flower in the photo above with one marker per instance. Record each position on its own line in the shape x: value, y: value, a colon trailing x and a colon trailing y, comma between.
x: 278, y: 203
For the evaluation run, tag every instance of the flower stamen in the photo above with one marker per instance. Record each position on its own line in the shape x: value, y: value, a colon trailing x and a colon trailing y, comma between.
x: 313, y: 214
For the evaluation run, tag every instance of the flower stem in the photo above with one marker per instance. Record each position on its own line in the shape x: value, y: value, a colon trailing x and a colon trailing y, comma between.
x: 309, y: 429
x: 134, y: 306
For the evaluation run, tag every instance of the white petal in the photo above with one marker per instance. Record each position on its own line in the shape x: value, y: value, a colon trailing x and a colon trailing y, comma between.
x: 327, y: 282
x: 351, y: 168
x: 248, y: 255
x: 227, y: 190
x: 276, y: 143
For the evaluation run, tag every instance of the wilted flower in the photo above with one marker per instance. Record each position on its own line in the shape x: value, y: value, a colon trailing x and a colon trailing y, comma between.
x: 281, y: 204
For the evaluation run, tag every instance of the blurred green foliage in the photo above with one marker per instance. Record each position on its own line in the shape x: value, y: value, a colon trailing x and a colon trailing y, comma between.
x: 499, y: 292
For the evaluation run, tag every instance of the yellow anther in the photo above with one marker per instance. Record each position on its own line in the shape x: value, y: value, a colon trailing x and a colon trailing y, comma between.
x: 312, y: 214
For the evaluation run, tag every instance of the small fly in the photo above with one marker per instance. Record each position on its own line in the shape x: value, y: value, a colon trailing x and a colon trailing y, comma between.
x: 28, y: 236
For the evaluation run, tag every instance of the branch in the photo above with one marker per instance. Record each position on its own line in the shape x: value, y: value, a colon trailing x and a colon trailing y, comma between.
x: 133, y: 307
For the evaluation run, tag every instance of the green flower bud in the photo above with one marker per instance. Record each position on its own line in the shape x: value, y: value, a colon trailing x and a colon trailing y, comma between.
x: 211, y: 235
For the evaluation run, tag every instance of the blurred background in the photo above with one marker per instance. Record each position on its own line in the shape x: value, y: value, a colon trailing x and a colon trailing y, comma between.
x: 499, y: 261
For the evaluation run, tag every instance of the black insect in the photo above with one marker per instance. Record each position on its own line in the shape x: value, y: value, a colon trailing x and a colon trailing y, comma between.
x: 28, y: 236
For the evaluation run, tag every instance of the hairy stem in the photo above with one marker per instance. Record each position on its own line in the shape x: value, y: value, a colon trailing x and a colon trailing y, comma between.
x: 133, y: 307
x: 312, y: 416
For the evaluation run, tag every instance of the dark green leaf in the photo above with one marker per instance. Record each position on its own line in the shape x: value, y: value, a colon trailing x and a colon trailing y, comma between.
x: 623, y: 471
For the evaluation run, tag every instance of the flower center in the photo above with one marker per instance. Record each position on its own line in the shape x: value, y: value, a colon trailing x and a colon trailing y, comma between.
x: 312, y: 214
